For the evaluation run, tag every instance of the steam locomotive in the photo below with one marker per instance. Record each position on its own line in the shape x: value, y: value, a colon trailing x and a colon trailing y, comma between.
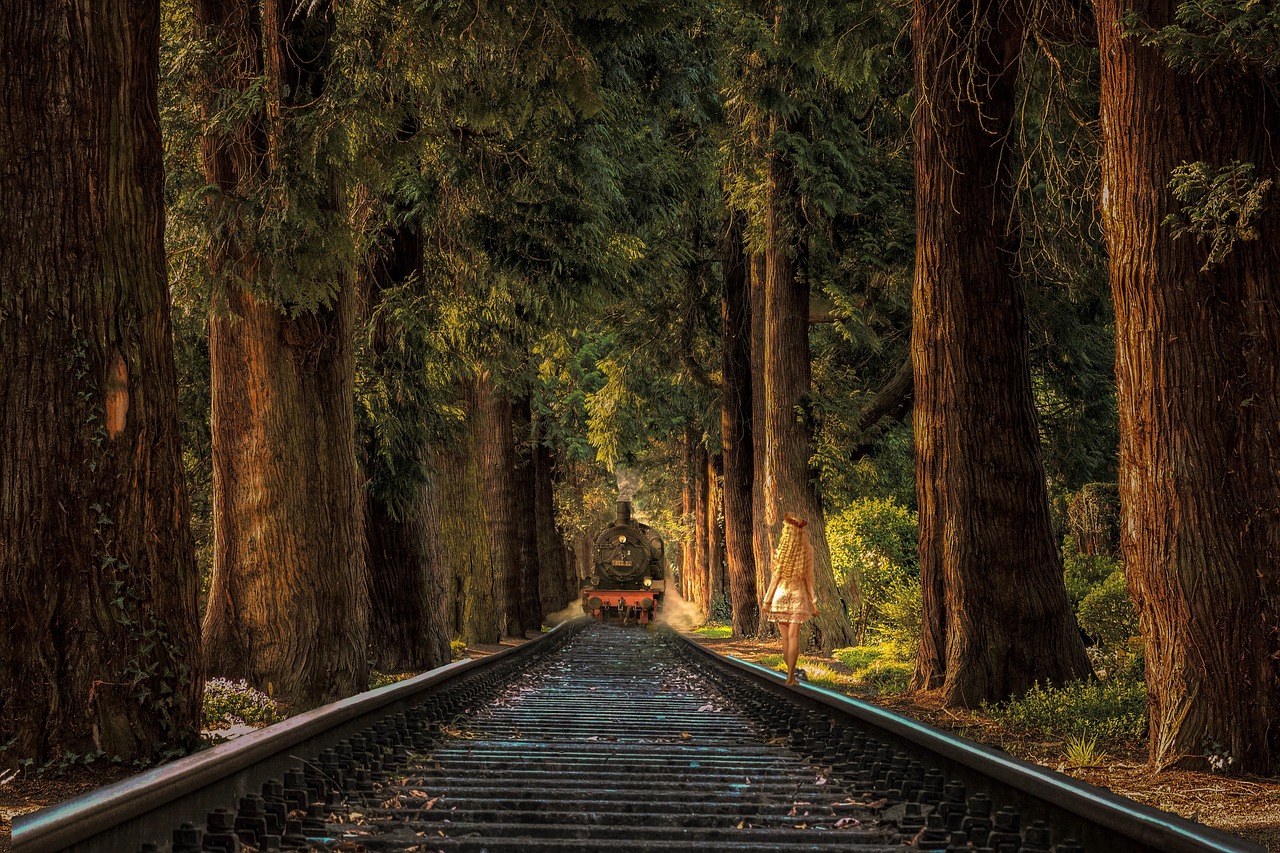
x: 628, y: 572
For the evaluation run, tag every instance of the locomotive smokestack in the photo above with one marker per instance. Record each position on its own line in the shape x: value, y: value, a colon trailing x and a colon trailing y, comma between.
x: 624, y: 512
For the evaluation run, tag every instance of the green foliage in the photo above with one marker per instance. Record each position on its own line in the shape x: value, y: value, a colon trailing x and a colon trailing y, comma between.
x: 1114, y: 710
x: 715, y: 631
x: 1209, y: 34
x: 230, y: 703
x: 1220, y: 205
x: 721, y: 608
x: 873, y: 546
x: 1084, y: 573
x: 457, y: 649
x: 1107, y: 614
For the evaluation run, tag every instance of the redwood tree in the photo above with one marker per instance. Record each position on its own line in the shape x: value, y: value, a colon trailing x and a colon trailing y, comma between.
x: 288, y: 603
x: 497, y: 459
x: 1197, y: 371
x: 996, y: 616
x: 99, y: 649
x: 788, y: 476
x: 735, y: 426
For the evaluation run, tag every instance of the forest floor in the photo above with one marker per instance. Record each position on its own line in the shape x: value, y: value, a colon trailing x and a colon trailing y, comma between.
x: 1249, y: 807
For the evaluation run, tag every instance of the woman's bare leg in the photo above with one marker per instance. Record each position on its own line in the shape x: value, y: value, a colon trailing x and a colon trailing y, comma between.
x: 790, y: 648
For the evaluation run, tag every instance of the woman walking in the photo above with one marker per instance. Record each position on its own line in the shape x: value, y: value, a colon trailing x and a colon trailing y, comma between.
x: 791, y: 600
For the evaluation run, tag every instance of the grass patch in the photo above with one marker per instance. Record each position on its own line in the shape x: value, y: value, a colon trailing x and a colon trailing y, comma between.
x: 878, y: 667
x: 713, y: 631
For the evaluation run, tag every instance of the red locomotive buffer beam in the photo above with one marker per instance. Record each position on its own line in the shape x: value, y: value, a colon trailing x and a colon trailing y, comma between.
x: 640, y: 604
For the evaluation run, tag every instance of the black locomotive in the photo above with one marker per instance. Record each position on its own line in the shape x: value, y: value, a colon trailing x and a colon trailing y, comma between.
x: 628, y: 571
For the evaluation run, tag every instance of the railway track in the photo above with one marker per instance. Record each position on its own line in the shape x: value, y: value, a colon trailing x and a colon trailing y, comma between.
x: 600, y: 738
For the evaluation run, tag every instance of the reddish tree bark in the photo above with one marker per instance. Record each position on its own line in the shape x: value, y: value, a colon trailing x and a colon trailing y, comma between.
x: 701, y: 588
x: 761, y: 547
x: 716, y: 581
x: 996, y: 615
x: 99, y: 648
x: 736, y: 433
x: 1197, y: 371
x: 288, y: 550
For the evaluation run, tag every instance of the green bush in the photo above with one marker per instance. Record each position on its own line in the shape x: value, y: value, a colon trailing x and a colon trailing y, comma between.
x: 1109, y: 710
x: 721, y: 608
x: 873, y: 547
x: 1107, y: 614
x: 232, y: 703
x: 899, y: 622
x: 457, y: 649
x: 1083, y: 573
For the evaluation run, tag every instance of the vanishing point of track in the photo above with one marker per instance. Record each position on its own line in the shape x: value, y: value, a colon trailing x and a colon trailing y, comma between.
x: 596, y: 737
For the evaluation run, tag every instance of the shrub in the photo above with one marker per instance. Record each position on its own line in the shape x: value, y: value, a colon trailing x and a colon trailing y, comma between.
x: 899, y: 623
x: 382, y: 679
x: 1107, y: 710
x: 873, y: 547
x: 721, y: 608
x: 457, y: 648
x: 1083, y: 573
x: 1108, y: 616
x: 231, y: 703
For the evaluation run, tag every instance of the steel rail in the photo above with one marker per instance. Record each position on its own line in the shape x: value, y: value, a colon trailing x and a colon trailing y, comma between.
x: 146, y: 807
x: 1099, y: 819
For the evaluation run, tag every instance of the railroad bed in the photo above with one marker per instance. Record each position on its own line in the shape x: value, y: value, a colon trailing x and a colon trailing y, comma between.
x: 597, y: 737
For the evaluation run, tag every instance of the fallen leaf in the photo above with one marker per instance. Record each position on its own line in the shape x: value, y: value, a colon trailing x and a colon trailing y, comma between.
x: 685, y: 735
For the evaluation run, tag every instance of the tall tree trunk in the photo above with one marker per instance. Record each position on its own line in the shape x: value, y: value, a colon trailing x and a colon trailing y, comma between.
x: 688, y: 545
x: 996, y: 615
x: 716, y: 586
x: 1197, y: 369
x: 288, y: 602
x: 736, y: 434
x: 408, y: 584
x: 497, y: 451
x: 789, y: 480
x: 99, y: 649
x: 760, y: 521
x: 526, y: 509
x: 557, y: 584
x: 407, y: 573
x: 464, y: 531
x: 701, y: 547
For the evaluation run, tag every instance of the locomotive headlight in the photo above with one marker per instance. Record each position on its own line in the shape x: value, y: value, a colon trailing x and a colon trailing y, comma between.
x: 648, y: 582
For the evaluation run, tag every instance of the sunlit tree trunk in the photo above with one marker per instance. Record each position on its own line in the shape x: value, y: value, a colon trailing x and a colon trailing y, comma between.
x: 1197, y: 373
x: 288, y: 602
x: 789, y: 479
x: 99, y: 646
x: 736, y: 435
x: 996, y: 615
